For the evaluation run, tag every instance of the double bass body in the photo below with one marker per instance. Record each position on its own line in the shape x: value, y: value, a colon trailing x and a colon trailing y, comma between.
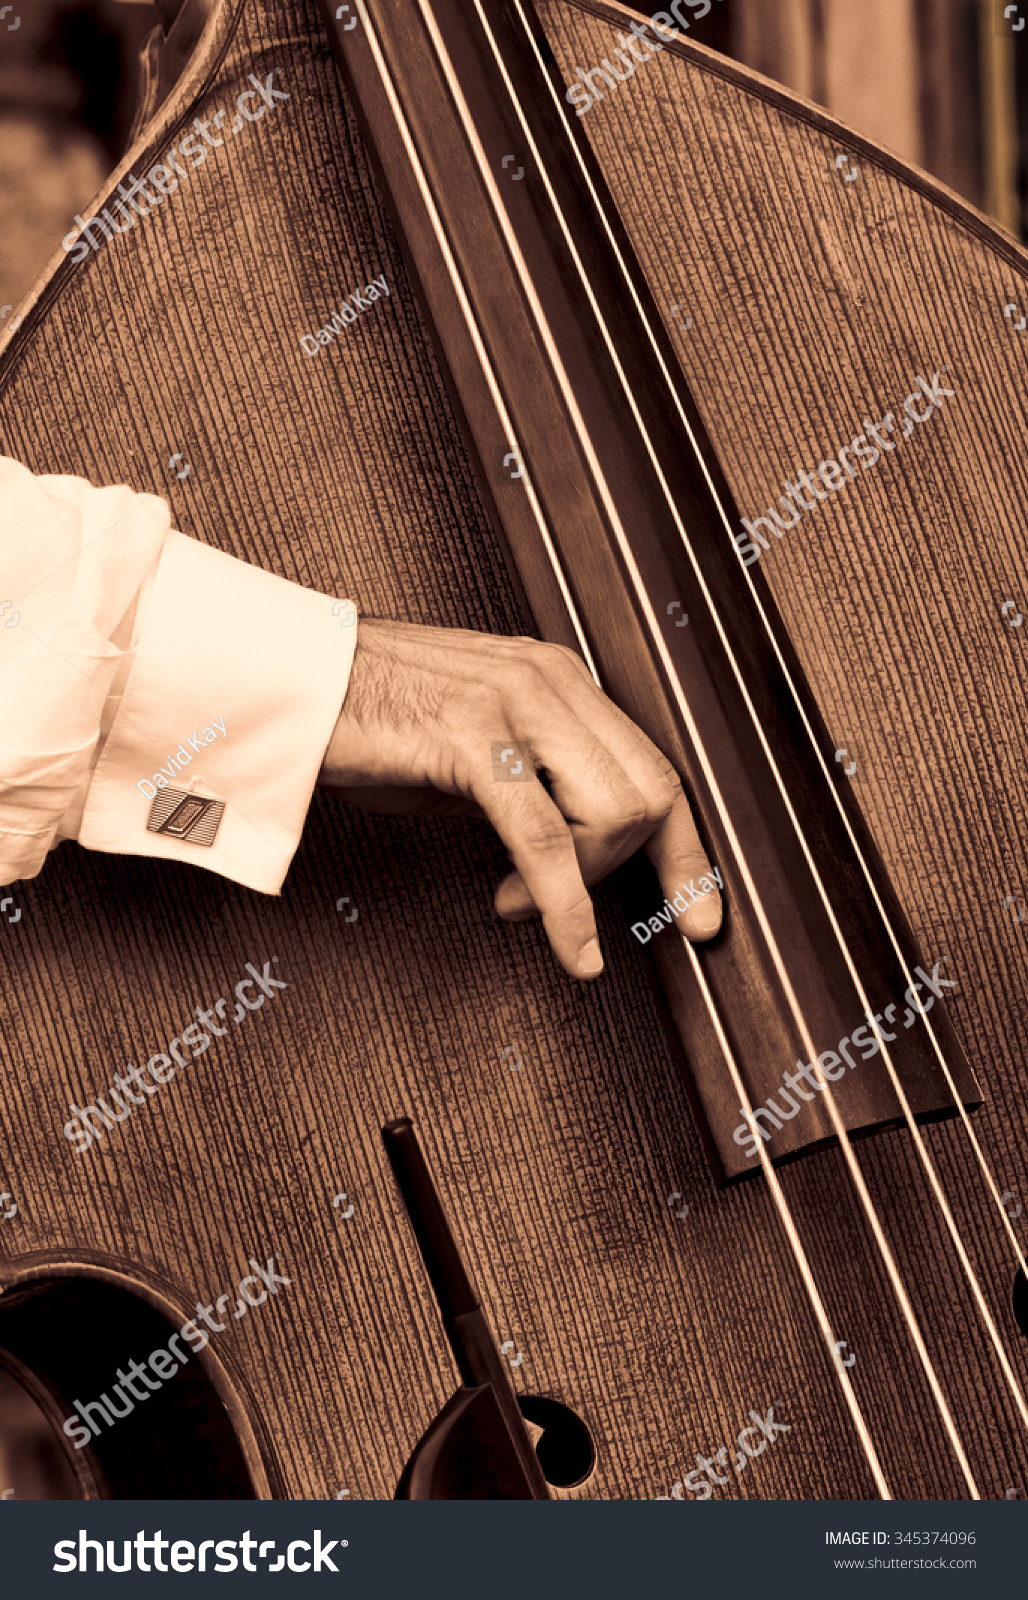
x: 811, y: 301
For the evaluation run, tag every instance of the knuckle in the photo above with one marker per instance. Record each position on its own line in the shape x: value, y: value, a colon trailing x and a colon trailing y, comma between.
x: 666, y: 772
x: 667, y: 789
x: 545, y: 835
x: 520, y: 676
x: 626, y: 824
x: 554, y: 657
x: 658, y: 810
x: 581, y: 905
x: 651, y: 799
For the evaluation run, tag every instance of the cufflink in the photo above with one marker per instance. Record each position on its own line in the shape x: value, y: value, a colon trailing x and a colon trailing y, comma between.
x: 194, y: 818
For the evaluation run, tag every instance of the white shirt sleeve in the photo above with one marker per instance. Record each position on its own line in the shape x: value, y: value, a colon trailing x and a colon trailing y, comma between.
x: 138, y: 666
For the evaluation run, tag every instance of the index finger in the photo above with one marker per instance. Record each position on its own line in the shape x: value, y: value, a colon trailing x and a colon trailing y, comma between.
x: 542, y: 848
x: 674, y: 846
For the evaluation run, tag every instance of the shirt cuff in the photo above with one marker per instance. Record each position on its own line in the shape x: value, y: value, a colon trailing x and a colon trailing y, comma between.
x: 234, y: 693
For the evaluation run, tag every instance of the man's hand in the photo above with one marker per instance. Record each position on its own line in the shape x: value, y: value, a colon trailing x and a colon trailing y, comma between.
x: 423, y: 711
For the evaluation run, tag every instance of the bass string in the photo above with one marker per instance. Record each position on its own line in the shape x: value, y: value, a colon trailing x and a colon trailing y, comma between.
x: 795, y: 1242
x: 457, y: 284
x: 661, y: 648
x: 467, y: 310
x: 494, y: 387
x: 658, y: 642
x: 991, y: 1183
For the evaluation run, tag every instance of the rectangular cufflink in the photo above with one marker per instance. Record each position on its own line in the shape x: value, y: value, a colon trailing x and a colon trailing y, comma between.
x: 192, y: 817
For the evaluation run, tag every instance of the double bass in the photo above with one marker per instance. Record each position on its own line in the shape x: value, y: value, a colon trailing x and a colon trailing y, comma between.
x: 525, y: 436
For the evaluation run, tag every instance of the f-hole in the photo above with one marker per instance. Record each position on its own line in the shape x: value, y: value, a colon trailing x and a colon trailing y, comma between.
x: 64, y: 1340
x: 565, y: 1447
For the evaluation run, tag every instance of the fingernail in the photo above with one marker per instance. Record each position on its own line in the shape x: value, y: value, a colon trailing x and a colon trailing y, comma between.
x: 590, y: 962
x: 515, y: 912
x: 513, y: 902
x: 703, y: 917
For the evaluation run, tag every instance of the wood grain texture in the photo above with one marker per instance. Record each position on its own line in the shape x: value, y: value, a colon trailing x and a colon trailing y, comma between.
x: 815, y: 303
x: 346, y: 473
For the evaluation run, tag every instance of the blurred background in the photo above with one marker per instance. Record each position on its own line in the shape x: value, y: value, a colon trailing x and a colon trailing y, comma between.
x: 943, y: 83
x: 68, y: 78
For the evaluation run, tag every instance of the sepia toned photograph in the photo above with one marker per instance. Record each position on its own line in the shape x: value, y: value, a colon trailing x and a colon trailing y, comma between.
x: 513, y: 883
